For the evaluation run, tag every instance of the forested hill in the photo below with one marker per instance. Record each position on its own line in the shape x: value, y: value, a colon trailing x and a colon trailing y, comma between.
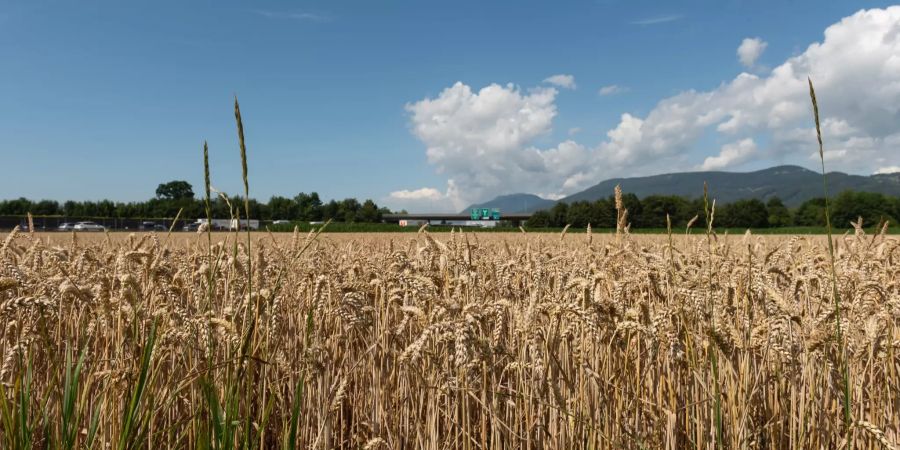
x: 792, y: 184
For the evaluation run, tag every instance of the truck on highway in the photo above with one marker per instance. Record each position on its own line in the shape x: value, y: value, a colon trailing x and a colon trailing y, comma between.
x: 231, y: 224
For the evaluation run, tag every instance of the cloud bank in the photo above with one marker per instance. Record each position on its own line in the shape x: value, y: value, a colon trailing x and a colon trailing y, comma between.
x: 485, y: 141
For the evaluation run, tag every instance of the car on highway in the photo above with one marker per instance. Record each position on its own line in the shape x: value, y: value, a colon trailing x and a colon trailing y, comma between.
x: 152, y: 226
x: 193, y: 226
x: 66, y: 226
x: 88, y: 226
x: 281, y: 222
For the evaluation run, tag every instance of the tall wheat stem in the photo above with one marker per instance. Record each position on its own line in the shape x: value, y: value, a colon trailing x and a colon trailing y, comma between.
x: 845, y: 370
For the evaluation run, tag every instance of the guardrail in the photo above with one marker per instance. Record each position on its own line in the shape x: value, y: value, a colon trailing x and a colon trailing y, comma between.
x: 52, y: 223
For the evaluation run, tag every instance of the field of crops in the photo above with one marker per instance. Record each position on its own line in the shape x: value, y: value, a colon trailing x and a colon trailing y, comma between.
x: 454, y: 340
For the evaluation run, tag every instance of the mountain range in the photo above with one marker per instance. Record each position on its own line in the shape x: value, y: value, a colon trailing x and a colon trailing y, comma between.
x: 793, y: 184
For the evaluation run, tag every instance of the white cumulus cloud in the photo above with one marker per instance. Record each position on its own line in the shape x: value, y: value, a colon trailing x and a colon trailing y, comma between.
x: 886, y: 170
x: 561, y: 80
x: 732, y: 154
x: 424, y: 200
x: 856, y: 71
x: 488, y: 141
x: 480, y: 139
x: 418, y: 194
x: 750, y: 50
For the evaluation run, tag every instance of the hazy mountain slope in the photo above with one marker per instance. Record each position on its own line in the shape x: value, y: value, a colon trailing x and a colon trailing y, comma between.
x: 514, y: 203
x: 793, y: 184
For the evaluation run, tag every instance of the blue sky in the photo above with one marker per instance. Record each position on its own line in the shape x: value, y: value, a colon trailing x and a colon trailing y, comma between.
x: 109, y: 99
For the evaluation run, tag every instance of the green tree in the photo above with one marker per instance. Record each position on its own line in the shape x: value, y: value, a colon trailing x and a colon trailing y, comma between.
x: 330, y: 210
x: 257, y: 210
x: 175, y: 190
x: 129, y: 209
x: 282, y: 208
x: 750, y: 213
x: 779, y: 215
x: 70, y: 208
x: 219, y: 208
x: 603, y: 214
x: 579, y: 214
x: 560, y: 212
x: 872, y: 207
x: 656, y: 207
x: 18, y: 206
x: 896, y: 203
x: 309, y: 206
x: 368, y: 212
x: 811, y: 213
x: 90, y: 209
x: 540, y: 219
x: 46, y: 208
x: 348, y: 209
x: 105, y: 208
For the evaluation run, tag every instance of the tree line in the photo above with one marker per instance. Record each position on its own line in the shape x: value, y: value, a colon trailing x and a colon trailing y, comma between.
x: 179, y: 195
x: 651, y: 211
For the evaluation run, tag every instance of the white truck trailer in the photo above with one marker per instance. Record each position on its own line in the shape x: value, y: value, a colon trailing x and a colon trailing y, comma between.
x: 232, y: 224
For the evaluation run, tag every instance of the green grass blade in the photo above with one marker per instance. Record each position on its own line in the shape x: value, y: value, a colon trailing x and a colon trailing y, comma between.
x: 217, y: 436
x: 24, y: 392
x: 133, y: 410
x: 92, y: 428
x: 291, y: 438
x: 7, y: 417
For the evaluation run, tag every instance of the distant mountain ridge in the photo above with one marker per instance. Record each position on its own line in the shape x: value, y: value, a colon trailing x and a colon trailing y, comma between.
x: 793, y: 184
x: 514, y: 203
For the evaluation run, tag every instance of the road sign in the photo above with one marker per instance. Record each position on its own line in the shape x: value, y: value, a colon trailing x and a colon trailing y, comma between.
x: 485, y: 214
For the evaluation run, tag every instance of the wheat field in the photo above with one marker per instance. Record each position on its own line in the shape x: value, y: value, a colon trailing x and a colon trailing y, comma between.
x: 447, y: 340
